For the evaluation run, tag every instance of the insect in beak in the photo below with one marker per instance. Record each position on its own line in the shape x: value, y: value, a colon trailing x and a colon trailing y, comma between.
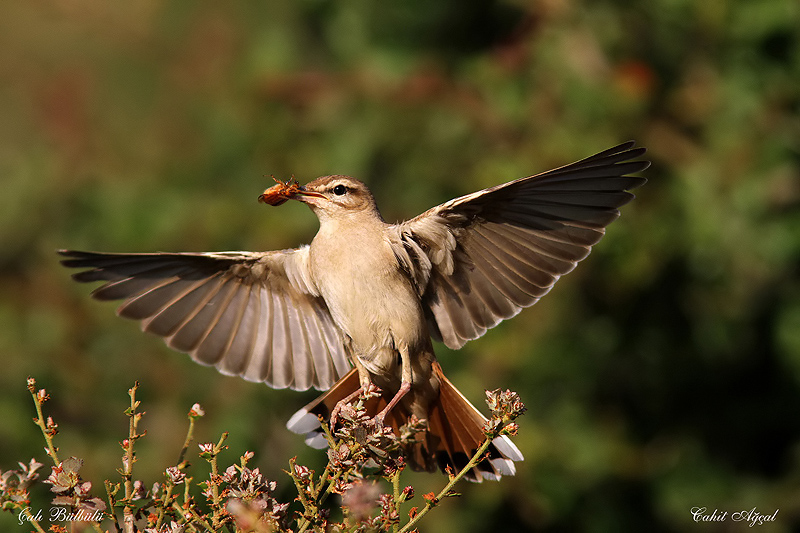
x: 285, y: 190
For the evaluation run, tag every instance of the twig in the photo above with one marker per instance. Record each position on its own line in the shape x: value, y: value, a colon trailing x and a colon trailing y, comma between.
x: 430, y: 503
x: 49, y: 429
x: 111, y: 493
x: 130, y: 457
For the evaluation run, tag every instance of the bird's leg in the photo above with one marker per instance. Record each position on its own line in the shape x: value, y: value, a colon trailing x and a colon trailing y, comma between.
x: 405, y: 385
x: 363, y: 377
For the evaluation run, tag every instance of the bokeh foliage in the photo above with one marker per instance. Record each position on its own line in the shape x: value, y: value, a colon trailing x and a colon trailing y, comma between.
x: 663, y: 374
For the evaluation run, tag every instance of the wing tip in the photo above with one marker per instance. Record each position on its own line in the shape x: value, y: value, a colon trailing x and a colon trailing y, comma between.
x: 74, y: 259
x: 623, y: 152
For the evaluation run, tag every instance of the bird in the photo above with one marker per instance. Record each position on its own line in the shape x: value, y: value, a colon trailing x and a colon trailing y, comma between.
x: 361, y: 304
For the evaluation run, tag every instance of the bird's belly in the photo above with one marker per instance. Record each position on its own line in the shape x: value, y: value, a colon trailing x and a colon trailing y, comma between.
x: 370, y: 300
x: 377, y: 314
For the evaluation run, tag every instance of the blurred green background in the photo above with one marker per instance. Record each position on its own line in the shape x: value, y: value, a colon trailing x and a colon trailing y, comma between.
x: 662, y: 375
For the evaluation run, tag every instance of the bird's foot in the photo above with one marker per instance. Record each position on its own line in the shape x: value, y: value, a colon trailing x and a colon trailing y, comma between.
x: 380, y: 417
x: 378, y: 420
x: 341, y: 404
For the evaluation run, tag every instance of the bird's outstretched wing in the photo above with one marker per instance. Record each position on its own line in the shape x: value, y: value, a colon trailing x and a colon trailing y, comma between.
x: 254, y: 315
x: 479, y: 259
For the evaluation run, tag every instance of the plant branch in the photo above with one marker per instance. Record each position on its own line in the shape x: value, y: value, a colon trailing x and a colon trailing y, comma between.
x: 49, y: 429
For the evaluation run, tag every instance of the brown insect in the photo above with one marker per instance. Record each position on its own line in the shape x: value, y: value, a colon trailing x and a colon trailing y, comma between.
x: 283, y: 191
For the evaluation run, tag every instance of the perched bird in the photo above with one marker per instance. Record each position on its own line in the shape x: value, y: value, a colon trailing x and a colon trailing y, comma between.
x: 372, y: 295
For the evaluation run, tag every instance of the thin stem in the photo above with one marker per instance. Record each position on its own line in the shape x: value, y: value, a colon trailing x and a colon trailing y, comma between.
x: 307, y: 507
x: 396, y: 497
x: 322, y: 480
x: 40, y: 397
x: 162, y: 510
x: 331, y: 484
x: 326, y: 474
x: 188, y: 440
x: 189, y: 516
x: 214, y: 481
x: 133, y: 422
x: 129, y: 459
x: 477, y: 458
x: 111, y: 512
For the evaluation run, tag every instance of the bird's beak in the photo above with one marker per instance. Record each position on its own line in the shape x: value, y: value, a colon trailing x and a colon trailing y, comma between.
x: 303, y: 192
x: 283, y: 191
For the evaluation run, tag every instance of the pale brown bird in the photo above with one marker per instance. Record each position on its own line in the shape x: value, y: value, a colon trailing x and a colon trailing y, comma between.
x: 372, y: 295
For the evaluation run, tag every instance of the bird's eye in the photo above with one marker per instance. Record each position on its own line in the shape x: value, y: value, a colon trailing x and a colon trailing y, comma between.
x: 339, y: 190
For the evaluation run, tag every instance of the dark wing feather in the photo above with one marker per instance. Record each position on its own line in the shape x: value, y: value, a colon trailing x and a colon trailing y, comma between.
x: 483, y: 257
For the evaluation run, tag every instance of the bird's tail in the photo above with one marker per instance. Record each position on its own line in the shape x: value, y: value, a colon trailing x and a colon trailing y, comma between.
x: 454, y: 430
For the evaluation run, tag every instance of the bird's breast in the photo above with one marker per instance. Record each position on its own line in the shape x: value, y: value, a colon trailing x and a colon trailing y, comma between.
x: 369, y: 297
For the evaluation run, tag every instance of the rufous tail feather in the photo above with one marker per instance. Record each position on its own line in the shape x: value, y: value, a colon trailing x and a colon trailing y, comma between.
x: 454, y: 429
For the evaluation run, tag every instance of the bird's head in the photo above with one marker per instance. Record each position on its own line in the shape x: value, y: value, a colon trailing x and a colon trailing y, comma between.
x: 328, y: 196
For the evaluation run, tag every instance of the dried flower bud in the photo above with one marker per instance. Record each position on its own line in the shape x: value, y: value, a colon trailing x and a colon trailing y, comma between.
x: 505, y: 405
x: 341, y: 486
x: 138, y: 490
x: 388, y: 510
x: 82, y: 489
x: 172, y: 527
x: 206, y: 448
x: 407, y: 493
x: 65, y: 476
x: 371, y: 391
x: 303, y: 472
x: 175, y: 475
x: 30, y: 470
x: 229, y: 475
x: 492, y: 426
